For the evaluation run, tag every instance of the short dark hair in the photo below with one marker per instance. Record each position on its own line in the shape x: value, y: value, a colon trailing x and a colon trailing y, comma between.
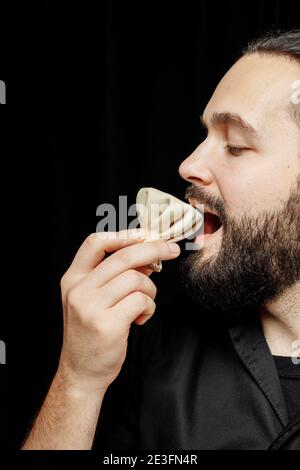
x: 280, y: 43
x: 284, y: 43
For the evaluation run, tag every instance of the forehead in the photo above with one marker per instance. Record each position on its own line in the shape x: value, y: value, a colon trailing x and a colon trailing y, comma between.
x: 258, y: 87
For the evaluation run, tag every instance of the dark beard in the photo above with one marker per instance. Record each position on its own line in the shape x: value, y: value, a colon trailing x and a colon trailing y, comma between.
x: 259, y: 258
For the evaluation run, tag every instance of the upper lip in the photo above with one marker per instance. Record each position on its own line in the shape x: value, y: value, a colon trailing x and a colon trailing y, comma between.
x: 193, y: 203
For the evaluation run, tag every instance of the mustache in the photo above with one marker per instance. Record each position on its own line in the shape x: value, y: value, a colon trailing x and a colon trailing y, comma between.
x: 212, y: 202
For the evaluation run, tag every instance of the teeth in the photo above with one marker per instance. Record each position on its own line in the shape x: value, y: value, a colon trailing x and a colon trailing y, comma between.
x: 210, y: 212
x: 193, y: 203
x: 163, y: 216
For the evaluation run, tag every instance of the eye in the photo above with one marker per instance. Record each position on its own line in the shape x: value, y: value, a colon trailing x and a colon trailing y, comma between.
x: 236, y: 151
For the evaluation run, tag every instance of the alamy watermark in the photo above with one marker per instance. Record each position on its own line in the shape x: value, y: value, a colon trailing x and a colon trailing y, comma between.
x: 296, y: 352
x: 173, y: 222
x: 2, y: 92
x: 2, y: 352
x: 295, y: 97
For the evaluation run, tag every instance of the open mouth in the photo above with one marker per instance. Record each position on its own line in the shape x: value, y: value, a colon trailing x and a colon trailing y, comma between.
x: 212, y: 223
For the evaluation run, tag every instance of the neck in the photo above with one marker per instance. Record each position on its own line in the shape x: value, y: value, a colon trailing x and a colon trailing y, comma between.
x: 280, y: 320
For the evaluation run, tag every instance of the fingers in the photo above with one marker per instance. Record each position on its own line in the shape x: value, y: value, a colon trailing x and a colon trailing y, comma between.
x: 134, y: 306
x: 145, y: 270
x: 123, y: 285
x: 96, y: 245
x: 132, y: 257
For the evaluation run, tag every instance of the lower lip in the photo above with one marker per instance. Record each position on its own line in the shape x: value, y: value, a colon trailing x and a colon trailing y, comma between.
x: 207, y: 236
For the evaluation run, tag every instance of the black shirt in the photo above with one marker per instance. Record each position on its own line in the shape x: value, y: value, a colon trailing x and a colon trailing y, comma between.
x: 288, y: 369
x: 189, y: 383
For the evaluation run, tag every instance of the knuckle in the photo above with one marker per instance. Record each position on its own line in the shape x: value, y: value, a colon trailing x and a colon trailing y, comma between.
x: 90, y: 240
x: 140, y: 299
x: 135, y: 277
x: 150, y: 288
x: 106, y: 235
x: 142, y: 282
x: 164, y: 247
x: 63, y: 282
x: 154, y: 288
x: 73, y: 298
x: 103, y: 328
x: 97, y: 238
x: 151, y: 306
x: 160, y: 246
x: 124, y: 257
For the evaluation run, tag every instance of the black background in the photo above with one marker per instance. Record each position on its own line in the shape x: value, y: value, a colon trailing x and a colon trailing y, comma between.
x: 102, y: 99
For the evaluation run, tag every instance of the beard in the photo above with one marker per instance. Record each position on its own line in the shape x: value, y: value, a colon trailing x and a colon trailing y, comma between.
x: 258, y: 260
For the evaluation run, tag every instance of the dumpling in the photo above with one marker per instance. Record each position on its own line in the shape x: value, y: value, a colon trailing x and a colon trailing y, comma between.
x: 163, y: 216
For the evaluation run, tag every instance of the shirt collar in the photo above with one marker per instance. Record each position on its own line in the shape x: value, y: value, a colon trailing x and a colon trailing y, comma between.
x: 251, y: 346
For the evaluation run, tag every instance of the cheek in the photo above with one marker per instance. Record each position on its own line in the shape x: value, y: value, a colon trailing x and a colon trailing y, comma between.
x: 237, y: 186
x: 252, y: 186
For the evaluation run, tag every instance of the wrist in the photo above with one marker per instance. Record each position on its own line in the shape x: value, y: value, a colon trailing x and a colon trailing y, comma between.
x: 78, y: 386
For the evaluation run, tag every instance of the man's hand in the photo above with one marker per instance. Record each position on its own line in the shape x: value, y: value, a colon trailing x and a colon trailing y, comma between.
x: 101, y: 298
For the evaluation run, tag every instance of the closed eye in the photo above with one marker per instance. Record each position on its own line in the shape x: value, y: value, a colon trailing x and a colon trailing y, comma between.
x: 236, y: 151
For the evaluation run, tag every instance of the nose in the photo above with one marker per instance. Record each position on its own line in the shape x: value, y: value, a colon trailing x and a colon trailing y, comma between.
x: 195, y: 169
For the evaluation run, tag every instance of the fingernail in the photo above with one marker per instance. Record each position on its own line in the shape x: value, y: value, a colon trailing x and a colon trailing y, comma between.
x: 174, y: 248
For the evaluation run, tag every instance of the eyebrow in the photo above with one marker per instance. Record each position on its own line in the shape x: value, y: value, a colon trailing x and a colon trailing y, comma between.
x: 230, y: 118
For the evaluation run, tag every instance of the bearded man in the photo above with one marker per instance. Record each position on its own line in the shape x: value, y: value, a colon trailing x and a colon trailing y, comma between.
x: 226, y: 376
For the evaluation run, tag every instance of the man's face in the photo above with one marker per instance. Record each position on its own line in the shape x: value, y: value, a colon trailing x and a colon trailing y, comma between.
x: 247, y: 171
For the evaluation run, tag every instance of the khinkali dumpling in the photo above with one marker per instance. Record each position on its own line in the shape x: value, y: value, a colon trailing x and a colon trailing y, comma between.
x: 163, y: 216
